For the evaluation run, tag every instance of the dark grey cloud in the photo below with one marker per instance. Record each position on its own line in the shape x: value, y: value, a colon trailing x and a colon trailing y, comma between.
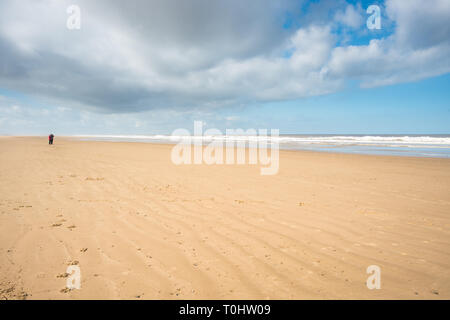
x: 131, y: 55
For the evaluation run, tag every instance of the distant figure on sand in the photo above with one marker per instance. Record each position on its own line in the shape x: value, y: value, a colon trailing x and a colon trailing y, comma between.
x: 50, y: 138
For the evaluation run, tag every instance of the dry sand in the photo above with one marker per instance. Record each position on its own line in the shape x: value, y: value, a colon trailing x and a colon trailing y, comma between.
x: 140, y: 227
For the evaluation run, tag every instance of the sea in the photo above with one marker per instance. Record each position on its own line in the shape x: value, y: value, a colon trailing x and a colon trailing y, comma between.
x: 413, y: 145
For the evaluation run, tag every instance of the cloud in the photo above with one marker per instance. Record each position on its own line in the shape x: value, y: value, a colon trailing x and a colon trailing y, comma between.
x: 194, y: 55
x: 420, y: 25
x: 350, y: 17
x: 407, y: 55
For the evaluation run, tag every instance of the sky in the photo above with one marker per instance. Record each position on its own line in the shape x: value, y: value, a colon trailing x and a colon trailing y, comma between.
x: 153, y: 66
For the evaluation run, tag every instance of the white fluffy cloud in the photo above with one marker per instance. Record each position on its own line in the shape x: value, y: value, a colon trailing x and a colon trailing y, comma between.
x: 144, y: 55
x: 419, y: 48
x: 351, y: 16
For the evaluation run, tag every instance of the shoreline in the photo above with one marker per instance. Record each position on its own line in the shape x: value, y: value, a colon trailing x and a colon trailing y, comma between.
x: 70, y: 138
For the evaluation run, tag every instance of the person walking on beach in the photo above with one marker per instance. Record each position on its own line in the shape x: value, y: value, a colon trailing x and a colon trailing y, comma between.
x: 50, y: 138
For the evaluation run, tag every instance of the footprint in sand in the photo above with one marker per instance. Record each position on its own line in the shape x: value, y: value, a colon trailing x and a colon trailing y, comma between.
x: 94, y: 179
x: 435, y: 292
x: 63, y: 275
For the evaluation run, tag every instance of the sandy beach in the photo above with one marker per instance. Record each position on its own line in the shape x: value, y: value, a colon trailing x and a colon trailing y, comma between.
x: 140, y: 227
